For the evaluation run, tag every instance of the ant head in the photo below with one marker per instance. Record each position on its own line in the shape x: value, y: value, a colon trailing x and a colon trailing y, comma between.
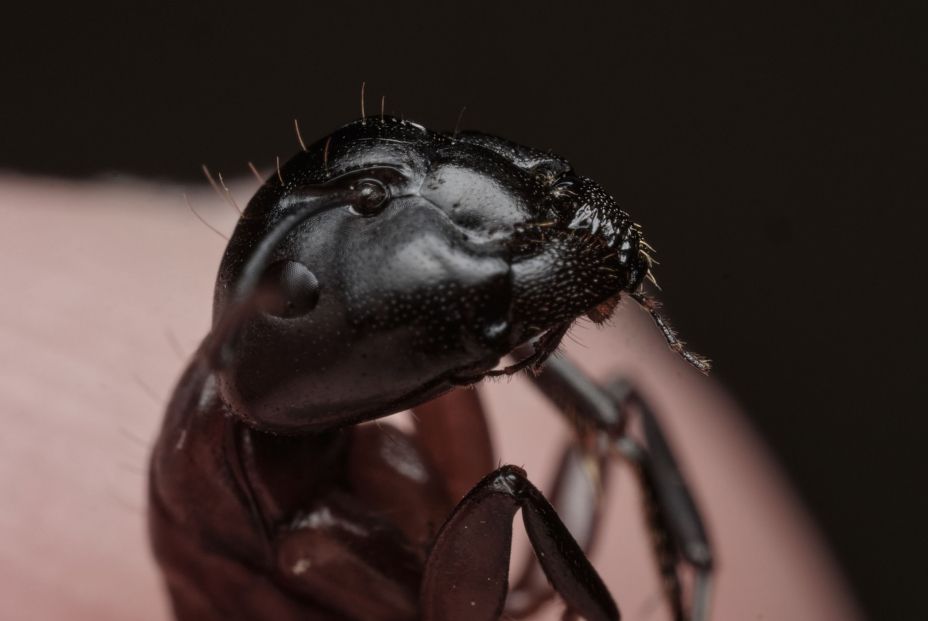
x: 389, y: 263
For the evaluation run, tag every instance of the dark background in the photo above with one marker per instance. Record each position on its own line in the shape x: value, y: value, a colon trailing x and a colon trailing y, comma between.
x: 771, y: 156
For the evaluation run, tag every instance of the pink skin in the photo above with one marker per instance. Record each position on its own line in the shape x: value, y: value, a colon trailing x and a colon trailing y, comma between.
x: 103, y: 283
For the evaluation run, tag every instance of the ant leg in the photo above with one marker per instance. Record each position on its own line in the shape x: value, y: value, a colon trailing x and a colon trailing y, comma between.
x: 578, y: 491
x: 456, y: 439
x: 676, y: 525
x: 677, y: 528
x: 462, y: 463
x: 466, y: 576
x: 580, y: 399
x: 577, y: 497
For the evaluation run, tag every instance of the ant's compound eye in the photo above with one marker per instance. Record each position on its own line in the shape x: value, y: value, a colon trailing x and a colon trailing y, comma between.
x: 292, y: 290
x: 371, y: 197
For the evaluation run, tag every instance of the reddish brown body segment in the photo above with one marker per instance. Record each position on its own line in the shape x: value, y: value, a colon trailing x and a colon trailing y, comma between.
x: 329, y: 516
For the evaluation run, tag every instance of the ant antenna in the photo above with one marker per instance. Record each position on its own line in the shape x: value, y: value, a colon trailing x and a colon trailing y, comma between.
x: 246, y: 294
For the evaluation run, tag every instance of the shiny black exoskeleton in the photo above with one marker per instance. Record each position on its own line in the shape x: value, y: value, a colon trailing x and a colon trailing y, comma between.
x: 377, y: 270
x: 465, y: 247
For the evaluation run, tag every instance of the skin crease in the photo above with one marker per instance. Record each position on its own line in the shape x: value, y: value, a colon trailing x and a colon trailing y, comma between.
x: 108, y: 292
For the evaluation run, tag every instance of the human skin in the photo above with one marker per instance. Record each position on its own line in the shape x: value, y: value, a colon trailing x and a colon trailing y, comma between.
x: 107, y: 289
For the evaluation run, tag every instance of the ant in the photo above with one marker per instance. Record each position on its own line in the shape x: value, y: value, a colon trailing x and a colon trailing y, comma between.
x: 388, y: 267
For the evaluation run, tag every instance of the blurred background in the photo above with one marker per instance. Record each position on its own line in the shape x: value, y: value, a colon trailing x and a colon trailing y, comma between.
x: 774, y: 157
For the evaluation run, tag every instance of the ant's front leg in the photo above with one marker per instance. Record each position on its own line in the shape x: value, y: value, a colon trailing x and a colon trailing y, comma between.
x: 455, y: 437
x: 678, y: 535
x: 577, y: 496
x: 677, y: 529
x: 466, y: 576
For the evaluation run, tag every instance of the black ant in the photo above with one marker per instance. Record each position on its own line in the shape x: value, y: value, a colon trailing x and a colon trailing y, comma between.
x: 380, y: 269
